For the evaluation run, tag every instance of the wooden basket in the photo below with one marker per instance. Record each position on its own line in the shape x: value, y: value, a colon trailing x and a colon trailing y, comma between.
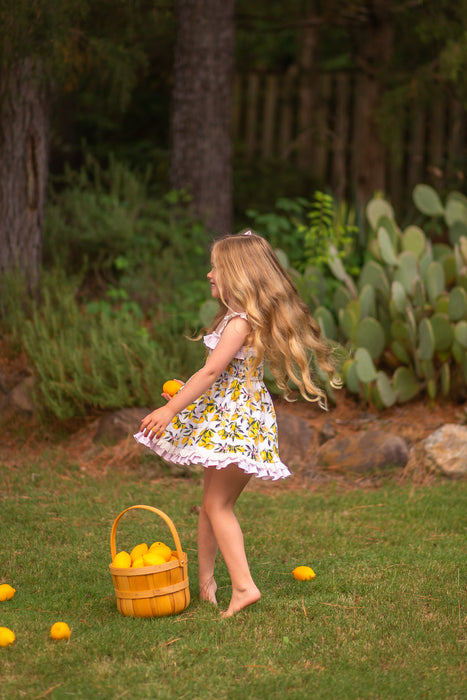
x: 152, y: 591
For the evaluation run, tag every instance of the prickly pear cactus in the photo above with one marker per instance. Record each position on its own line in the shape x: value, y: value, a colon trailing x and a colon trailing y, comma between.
x: 405, y: 318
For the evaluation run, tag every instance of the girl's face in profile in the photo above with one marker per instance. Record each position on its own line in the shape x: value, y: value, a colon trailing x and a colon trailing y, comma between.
x: 212, y: 277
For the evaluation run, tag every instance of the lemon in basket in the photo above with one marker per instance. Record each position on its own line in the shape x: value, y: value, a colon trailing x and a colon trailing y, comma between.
x: 137, y: 563
x: 162, y: 549
x: 6, y: 637
x: 303, y: 573
x: 138, y: 551
x: 122, y: 560
x: 153, y: 558
x: 60, y: 630
x: 6, y: 592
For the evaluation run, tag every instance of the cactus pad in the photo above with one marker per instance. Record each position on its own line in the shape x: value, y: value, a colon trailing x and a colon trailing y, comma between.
x: 426, y: 346
x: 434, y: 281
x: 443, y: 332
x: 427, y: 200
x: 460, y: 333
x: 457, y: 307
x: 326, y: 321
x: 364, y: 367
x: 386, y: 247
x: 376, y: 209
x: 370, y: 335
x: 414, y: 240
x: 384, y: 393
x: 405, y: 384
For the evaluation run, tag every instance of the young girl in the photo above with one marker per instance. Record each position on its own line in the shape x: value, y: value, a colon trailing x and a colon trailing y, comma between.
x: 223, y: 417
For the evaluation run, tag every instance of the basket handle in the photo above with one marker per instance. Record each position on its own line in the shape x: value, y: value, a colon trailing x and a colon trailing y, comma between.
x: 163, y: 515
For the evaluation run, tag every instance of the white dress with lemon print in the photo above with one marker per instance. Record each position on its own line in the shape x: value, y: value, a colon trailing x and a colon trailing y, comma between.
x: 233, y: 422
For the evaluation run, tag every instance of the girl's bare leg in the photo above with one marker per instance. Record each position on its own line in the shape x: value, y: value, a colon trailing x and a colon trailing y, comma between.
x: 207, y: 549
x: 221, y: 493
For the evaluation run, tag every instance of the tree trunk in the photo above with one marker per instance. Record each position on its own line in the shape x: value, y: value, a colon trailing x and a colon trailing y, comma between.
x: 202, y: 104
x: 24, y: 137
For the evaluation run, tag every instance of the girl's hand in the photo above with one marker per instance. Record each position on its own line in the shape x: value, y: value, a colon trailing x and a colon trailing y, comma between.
x: 154, y: 424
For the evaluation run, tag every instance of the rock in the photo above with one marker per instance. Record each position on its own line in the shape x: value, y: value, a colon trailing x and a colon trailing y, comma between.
x: 119, y: 425
x: 364, y: 452
x: 445, y: 451
x: 18, y: 401
x: 296, y: 439
x: 327, y: 433
x: 21, y: 395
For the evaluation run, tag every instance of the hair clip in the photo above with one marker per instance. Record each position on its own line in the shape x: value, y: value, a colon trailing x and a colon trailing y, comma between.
x: 246, y: 233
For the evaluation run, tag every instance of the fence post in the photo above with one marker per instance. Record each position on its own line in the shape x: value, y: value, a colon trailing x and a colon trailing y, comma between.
x: 341, y: 137
x: 269, y: 118
x: 252, y: 115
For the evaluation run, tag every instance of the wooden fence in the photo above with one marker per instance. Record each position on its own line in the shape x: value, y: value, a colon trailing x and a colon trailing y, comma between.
x: 317, y: 129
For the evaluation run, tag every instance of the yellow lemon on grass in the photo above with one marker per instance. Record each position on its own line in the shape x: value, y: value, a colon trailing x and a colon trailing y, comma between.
x: 6, y: 637
x: 303, y: 573
x: 60, y: 630
x: 161, y: 548
x: 138, y: 551
x: 171, y: 387
x: 137, y: 563
x: 122, y: 560
x: 153, y: 559
x: 6, y: 591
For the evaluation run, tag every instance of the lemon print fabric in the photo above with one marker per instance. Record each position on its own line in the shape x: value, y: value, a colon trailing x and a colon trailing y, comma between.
x: 233, y: 422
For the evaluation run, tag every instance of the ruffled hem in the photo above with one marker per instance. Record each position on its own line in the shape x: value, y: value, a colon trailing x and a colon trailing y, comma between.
x: 205, y: 458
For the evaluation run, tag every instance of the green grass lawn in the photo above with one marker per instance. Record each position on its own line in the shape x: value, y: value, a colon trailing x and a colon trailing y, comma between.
x: 384, y: 617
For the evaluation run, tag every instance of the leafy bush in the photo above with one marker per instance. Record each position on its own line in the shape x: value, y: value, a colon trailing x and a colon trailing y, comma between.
x: 304, y: 230
x: 98, y: 359
x: 107, y: 225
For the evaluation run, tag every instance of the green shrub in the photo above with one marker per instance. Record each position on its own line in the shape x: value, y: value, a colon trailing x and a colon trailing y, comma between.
x: 97, y: 359
x: 108, y: 225
x: 14, y: 303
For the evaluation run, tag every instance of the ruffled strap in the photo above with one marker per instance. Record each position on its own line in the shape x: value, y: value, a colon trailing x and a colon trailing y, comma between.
x: 229, y: 317
x: 213, y: 338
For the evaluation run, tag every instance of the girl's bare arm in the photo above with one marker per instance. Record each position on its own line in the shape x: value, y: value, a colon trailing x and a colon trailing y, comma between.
x: 232, y: 339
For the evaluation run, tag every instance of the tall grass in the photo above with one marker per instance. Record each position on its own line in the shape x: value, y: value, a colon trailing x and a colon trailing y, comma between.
x: 384, y: 617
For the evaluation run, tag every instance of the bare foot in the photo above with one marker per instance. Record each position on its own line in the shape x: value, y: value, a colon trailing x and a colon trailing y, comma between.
x: 207, y: 591
x: 242, y: 599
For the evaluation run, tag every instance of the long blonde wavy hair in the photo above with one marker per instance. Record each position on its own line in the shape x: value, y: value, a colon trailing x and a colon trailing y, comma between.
x: 250, y: 277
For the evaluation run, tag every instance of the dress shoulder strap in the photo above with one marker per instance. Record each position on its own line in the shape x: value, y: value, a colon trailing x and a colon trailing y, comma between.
x: 228, y: 317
